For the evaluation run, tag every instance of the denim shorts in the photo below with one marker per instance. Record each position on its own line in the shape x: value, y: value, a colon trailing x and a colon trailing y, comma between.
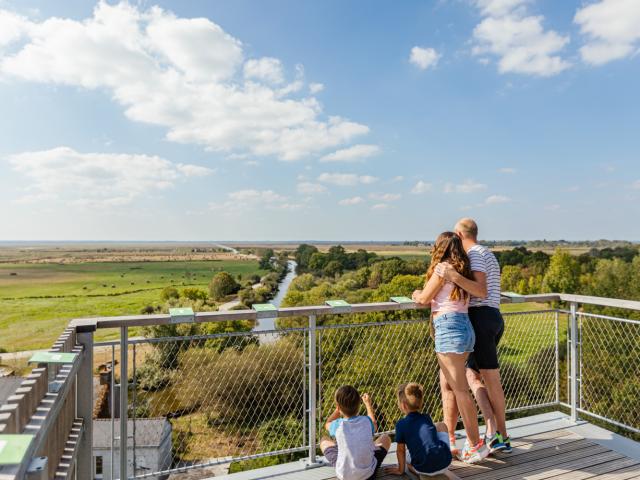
x: 454, y: 333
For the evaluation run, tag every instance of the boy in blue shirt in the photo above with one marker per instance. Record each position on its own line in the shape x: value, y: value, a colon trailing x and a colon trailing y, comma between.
x: 353, y: 453
x: 427, y: 444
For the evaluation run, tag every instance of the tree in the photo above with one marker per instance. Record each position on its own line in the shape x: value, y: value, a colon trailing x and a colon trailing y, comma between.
x: 333, y: 268
x: 563, y: 274
x: 265, y: 259
x: 303, y: 255
x: 222, y: 284
x: 168, y: 293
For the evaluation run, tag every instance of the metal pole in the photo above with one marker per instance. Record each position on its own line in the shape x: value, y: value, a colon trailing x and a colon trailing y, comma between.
x: 112, y: 408
x: 557, y: 360
x: 313, y: 394
x: 84, y: 405
x: 135, y: 406
x: 573, y: 319
x: 124, y: 394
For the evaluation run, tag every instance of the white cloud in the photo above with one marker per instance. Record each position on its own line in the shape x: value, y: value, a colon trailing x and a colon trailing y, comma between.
x: 397, y: 178
x: 421, y: 187
x: 508, y: 170
x: 315, y: 88
x: 267, y: 69
x: 518, y: 39
x: 182, y: 74
x: 612, y: 28
x: 424, y: 58
x: 495, y: 199
x: 379, y: 206
x: 251, y: 195
x: 354, y: 153
x: 97, y: 179
x: 346, y: 179
x: 351, y: 201
x: 386, y: 197
x: 468, y: 186
x: 636, y: 185
x: 309, y: 188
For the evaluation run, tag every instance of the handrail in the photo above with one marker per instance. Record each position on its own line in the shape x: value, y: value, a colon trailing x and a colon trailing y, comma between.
x: 91, y: 324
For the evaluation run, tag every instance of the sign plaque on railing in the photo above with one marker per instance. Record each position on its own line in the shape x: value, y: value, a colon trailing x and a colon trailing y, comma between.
x: 182, y: 315
x: 52, y: 357
x: 339, y: 306
x: 13, y: 448
x: 265, y: 310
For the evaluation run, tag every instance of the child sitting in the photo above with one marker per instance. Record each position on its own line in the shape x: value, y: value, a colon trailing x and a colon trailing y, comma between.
x: 428, y: 444
x: 354, y: 454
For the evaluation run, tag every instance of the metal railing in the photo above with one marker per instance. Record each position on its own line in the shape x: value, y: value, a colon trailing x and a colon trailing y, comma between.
x: 193, y: 400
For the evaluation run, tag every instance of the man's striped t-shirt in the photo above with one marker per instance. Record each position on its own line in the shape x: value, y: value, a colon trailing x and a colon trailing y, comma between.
x: 483, y: 260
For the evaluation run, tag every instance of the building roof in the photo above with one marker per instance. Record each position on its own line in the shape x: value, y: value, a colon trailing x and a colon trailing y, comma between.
x: 8, y: 386
x: 150, y: 432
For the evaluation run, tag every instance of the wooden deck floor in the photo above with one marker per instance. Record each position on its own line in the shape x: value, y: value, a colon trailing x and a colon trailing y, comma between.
x: 550, y: 447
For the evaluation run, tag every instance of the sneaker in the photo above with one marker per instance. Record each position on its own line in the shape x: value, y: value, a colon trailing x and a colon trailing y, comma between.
x: 455, y: 451
x: 496, y: 443
x: 507, y: 444
x: 474, y: 454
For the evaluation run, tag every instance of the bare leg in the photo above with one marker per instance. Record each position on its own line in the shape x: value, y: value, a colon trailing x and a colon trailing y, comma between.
x: 449, y: 408
x: 453, y: 367
x: 326, y: 442
x: 496, y: 395
x: 383, y: 441
x: 482, y: 398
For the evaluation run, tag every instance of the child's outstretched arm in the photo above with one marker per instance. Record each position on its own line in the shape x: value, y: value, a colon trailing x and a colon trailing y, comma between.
x: 366, y: 399
x: 398, y: 469
x: 334, y: 416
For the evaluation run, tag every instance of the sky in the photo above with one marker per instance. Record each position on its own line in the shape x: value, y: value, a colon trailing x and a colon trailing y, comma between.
x: 336, y: 120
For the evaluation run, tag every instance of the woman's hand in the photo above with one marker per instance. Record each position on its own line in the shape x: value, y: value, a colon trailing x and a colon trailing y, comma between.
x: 415, y: 296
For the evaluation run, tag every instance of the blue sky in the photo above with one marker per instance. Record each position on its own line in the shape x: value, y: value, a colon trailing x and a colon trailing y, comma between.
x: 332, y: 120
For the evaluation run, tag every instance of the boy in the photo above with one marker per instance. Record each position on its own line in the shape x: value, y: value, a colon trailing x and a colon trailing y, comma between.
x: 354, y: 454
x: 428, y: 444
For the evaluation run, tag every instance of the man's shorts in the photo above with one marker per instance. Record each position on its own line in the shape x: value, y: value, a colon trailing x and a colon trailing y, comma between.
x: 488, y: 325
x: 331, y: 454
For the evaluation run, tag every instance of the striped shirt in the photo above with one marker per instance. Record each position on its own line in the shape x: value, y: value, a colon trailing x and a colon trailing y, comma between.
x: 483, y: 260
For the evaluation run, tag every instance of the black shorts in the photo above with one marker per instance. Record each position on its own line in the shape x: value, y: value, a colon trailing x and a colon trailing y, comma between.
x: 331, y: 454
x: 488, y: 325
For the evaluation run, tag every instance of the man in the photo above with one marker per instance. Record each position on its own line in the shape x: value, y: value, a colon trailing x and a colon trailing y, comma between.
x: 483, y: 371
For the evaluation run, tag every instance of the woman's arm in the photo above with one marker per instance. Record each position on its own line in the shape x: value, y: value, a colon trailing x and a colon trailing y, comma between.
x: 430, y: 290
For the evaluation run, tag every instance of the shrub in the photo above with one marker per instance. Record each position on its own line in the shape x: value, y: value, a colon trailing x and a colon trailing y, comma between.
x: 194, y: 294
x: 222, y: 284
x: 168, y: 293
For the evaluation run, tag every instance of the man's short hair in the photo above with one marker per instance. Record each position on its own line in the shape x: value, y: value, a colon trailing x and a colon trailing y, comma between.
x: 468, y: 227
x: 348, y: 400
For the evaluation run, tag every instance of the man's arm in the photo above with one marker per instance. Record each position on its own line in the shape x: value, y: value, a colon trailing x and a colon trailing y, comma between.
x: 334, y: 416
x: 476, y: 287
x: 366, y: 399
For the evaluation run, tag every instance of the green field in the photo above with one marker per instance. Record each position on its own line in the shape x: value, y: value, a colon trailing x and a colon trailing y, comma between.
x: 37, y: 300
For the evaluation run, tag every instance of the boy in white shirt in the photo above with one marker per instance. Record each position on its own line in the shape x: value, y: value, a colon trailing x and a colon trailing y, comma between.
x: 353, y: 453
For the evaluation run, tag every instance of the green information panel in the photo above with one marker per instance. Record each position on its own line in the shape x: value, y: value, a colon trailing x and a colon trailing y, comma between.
x: 13, y: 448
x: 337, y: 303
x: 181, y: 315
x: 52, y: 357
x: 264, y: 307
x: 402, y: 300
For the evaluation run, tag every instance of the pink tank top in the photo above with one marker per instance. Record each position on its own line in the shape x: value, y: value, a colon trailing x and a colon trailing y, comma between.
x: 443, y: 304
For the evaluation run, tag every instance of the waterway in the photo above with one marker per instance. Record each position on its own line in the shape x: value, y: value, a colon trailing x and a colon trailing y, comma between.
x: 270, y: 323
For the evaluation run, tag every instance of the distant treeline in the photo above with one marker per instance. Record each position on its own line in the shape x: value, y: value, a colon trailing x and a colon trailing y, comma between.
x: 544, y: 244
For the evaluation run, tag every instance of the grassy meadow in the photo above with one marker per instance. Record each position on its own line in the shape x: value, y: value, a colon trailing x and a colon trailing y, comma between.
x: 38, y: 299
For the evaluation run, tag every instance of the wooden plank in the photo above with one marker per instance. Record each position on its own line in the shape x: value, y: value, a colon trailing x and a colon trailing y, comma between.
x: 566, y: 468
x: 597, y: 470
x: 622, y: 474
x: 539, y: 464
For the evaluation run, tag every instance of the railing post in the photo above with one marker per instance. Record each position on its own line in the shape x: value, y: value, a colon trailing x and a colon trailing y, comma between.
x: 573, y: 325
x: 557, y: 359
x: 124, y: 398
x: 313, y: 393
x: 84, y: 405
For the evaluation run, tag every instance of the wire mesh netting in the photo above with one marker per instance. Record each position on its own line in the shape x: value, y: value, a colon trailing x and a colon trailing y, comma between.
x: 223, y: 396
x: 377, y: 358
x: 610, y: 368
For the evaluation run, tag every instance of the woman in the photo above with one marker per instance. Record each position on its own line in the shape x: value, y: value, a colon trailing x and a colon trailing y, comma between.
x: 454, y: 336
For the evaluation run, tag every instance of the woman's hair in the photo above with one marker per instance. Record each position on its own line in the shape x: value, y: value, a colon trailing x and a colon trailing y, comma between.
x: 448, y: 248
x: 412, y: 395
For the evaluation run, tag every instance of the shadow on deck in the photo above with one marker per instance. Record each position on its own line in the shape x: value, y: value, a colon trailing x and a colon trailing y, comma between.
x: 545, y: 446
